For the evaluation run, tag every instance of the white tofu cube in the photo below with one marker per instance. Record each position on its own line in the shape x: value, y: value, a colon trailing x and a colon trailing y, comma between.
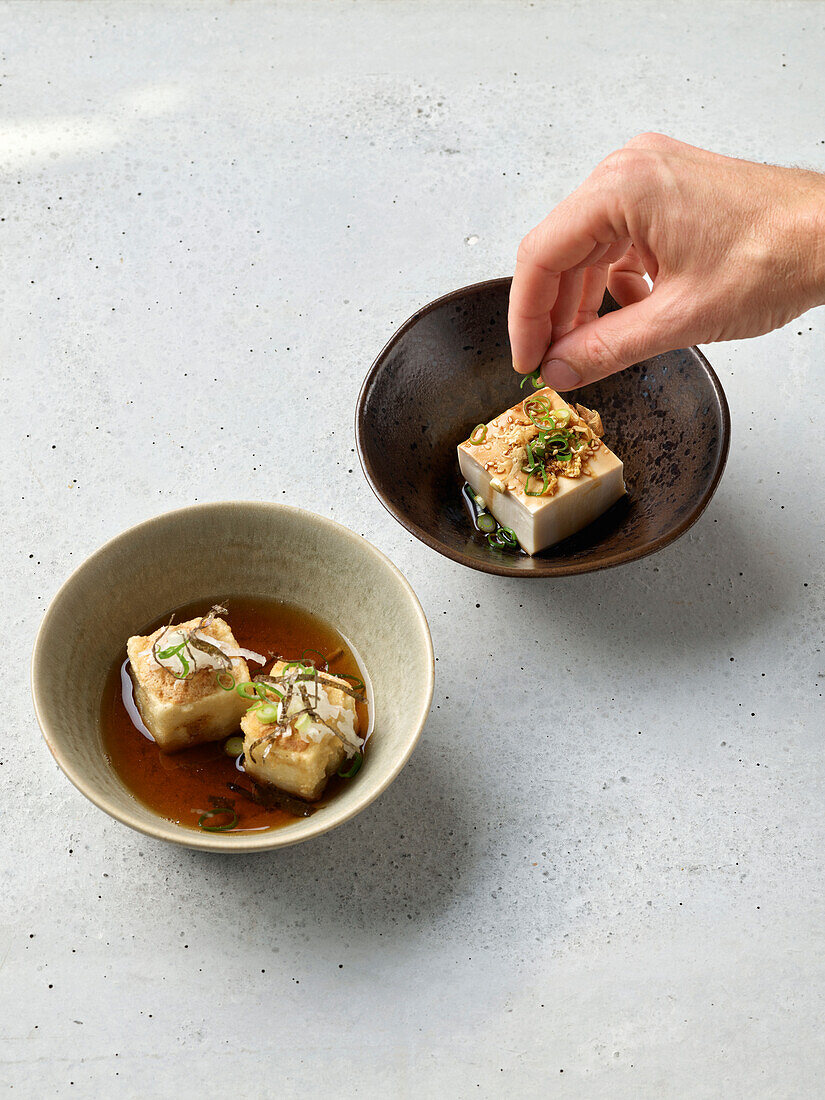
x: 301, y: 762
x: 182, y: 713
x: 539, y: 521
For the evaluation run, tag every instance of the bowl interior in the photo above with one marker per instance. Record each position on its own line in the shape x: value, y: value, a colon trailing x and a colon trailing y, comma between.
x: 448, y: 368
x: 199, y: 553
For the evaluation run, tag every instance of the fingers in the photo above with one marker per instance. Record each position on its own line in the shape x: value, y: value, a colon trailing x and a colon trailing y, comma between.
x: 626, y: 279
x: 595, y: 283
x: 568, y: 300
x: 578, y: 232
x: 617, y: 340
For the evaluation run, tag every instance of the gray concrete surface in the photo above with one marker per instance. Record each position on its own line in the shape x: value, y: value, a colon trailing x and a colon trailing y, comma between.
x: 601, y: 874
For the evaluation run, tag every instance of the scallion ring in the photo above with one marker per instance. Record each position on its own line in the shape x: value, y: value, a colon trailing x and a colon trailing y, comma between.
x: 486, y: 523
x: 267, y: 713
x: 306, y: 670
x: 478, y: 434
x: 244, y: 694
x: 264, y: 690
x: 540, y: 411
x: 220, y: 811
x: 225, y: 680
x: 535, y: 378
x: 357, y: 684
x: 542, y: 490
x: 358, y: 760
x: 323, y: 661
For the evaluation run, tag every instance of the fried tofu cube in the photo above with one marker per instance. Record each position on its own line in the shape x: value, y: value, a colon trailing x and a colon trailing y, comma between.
x: 301, y: 762
x: 180, y: 713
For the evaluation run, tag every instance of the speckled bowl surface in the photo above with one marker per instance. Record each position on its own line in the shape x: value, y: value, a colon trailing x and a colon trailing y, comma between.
x: 251, y: 549
x: 448, y: 368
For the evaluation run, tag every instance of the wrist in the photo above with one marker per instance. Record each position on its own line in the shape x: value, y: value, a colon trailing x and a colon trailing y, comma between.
x: 811, y: 239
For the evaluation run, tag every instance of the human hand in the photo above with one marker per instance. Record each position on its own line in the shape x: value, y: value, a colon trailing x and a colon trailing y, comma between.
x: 733, y: 248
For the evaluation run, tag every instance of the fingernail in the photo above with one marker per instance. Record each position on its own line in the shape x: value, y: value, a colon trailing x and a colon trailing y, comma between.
x: 559, y: 376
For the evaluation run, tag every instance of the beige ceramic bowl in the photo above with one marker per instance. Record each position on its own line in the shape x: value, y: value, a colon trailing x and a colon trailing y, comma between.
x: 250, y: 549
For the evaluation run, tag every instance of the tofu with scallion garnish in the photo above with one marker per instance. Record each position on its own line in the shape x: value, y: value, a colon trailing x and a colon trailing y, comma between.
x: 542, y: 470
x: 304, y: 733
x: 184, y: 678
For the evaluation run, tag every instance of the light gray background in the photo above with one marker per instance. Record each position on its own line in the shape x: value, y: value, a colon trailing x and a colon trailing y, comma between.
x: 601, y: 874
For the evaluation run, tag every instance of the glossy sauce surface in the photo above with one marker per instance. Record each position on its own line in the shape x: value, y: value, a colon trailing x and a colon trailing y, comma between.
x: 184, y: 785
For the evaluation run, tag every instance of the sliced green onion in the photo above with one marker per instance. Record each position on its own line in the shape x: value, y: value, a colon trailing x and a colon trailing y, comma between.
x: 233, y: 746
x: 307, y: 670
x: 535, y: 379
x: 486, y: 523
x: 496, y: 484
x: 562, y: 417
x: 539, y: 410
x: 263, y: 690
x: 302, y: 723
x: 356, y: 764
x: 267, y: 713
x: 556, y: 439
x: 542, y: 490
x: 501, y: 540
x: 176, y: 651
x: 357, y: 684
x: 220, y: 811
x: 478, y: 434
x: 225, y: 680
x: 244, y: 694
x: 318, y: 653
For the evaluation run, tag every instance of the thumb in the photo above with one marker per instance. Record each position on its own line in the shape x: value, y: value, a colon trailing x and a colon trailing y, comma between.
x: 613, y: 342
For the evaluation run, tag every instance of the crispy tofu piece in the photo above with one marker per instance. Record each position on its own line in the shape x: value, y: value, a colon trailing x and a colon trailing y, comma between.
x: 540, y: 521
x: 182, y: 713
x: 295, y: 763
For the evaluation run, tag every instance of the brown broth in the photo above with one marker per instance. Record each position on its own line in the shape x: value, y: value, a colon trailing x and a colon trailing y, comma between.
x: 181, y: 786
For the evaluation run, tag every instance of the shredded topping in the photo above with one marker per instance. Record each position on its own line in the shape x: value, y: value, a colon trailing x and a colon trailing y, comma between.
x: 185, y: 652
x: 528, y: 448
x: 303, y: 707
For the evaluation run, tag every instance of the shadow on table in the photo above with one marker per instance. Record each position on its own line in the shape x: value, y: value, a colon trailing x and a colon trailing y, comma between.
x: 390, y: 872
x: 714, y: 589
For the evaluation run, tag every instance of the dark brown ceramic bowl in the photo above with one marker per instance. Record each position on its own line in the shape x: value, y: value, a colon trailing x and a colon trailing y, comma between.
x: 448, y: 368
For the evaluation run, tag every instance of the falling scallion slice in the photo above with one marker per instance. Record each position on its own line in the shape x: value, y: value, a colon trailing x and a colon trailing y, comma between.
x: 535, y: 380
